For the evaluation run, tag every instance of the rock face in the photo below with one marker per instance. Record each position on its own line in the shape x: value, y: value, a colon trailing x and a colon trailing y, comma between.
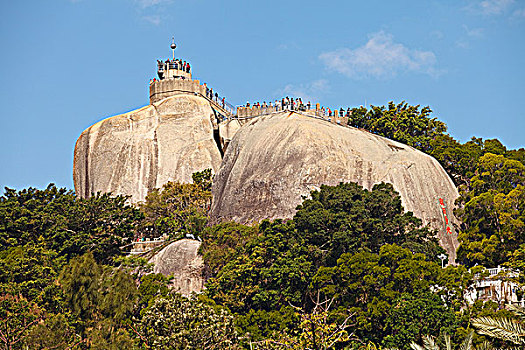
x: 181, y: 260
x: 135, y: 152
x: 227, y: 129
x: 274, y: 160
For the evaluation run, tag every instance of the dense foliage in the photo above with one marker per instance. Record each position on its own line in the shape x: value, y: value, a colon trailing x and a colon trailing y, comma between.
x: 68, y: 225
x: 65, y: 284
x: 402, y: 122
x: 178, y: 208
x: 336, y: 235
x: 176, y: 322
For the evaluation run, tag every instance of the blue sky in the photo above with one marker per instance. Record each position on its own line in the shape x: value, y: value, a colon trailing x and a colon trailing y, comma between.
x: 65, y: 64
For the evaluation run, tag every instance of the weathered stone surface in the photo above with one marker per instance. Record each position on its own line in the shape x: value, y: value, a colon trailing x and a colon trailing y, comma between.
x: 181, y: 260
x: 227, y: 129
x: 274, y: 160
x: 135, y: 152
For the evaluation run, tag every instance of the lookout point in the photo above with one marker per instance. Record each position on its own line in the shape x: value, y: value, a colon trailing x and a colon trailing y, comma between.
x: 175, y: 77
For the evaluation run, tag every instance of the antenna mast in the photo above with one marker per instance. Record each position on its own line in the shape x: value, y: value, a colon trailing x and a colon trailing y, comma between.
x: 173, y: 46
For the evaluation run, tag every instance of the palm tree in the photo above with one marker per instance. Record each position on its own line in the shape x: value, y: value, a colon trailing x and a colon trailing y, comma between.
x: 429, y: 343
x: 504, y: 328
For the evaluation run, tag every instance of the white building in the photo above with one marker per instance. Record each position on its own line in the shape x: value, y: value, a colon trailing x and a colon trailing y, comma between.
x: 495, y: 287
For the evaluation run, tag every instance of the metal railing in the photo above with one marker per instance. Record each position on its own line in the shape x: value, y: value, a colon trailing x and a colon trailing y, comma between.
x: 217, y: 99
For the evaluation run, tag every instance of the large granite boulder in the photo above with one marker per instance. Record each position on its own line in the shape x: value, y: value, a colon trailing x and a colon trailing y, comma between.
x: 180, y: 259
x: 132, y: 153
x: 275, y: 160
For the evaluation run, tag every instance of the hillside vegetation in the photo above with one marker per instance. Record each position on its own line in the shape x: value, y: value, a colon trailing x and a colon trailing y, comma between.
x: 351, y: 269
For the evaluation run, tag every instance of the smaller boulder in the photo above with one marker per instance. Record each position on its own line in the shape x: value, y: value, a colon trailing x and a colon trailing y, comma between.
x: 181, y: 260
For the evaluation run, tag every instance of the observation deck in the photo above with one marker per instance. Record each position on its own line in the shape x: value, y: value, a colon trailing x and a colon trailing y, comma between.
x: 175, y: 77
x: 173, y: 69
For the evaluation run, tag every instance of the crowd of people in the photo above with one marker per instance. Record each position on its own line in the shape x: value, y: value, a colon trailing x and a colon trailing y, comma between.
x: 297, y: 104
x: 175, y: 63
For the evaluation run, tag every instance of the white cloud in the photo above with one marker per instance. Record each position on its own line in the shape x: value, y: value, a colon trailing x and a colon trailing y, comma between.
x: 151, y: 10
x: 153, y: 19
x: 463, y: 44
x: 380, y: 57
x: 474, y: 32
x: 519, y: 13
x: 150, y: 3
x: 490, y: 7
x: 495, y: 7
x: 470, y: 34
x: 307, y: 92
x: 288, y: 46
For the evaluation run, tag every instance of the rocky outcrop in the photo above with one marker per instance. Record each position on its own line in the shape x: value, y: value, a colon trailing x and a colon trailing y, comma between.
x: 275, y: 160
x: 180, y: 259
x: 135, y: 152
x: 270, y: 162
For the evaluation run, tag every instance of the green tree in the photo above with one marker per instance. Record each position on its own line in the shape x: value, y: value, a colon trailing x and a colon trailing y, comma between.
x: 223, y: 242
x: 316, y: 331
x: 345, y: 218
x: 30, y: 213
x: 510, y: 330
x: 368, y: 284
x: 459, y: 160
x: 99, y: 224
x: 178, y: 207
x: 430, y: 343
x: 273, y: 270
x: 492, y: 211
x: 176, y: 322
x: 258, y: 325
x: 80, y: 280
x: 17, y: 316
x: 68, y: 225
x: 30, y: 271
x: 54, y: 332
x: 414, y: 315
x: 152, y: 286
x: 102, y: 300
x: 400, y: 122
